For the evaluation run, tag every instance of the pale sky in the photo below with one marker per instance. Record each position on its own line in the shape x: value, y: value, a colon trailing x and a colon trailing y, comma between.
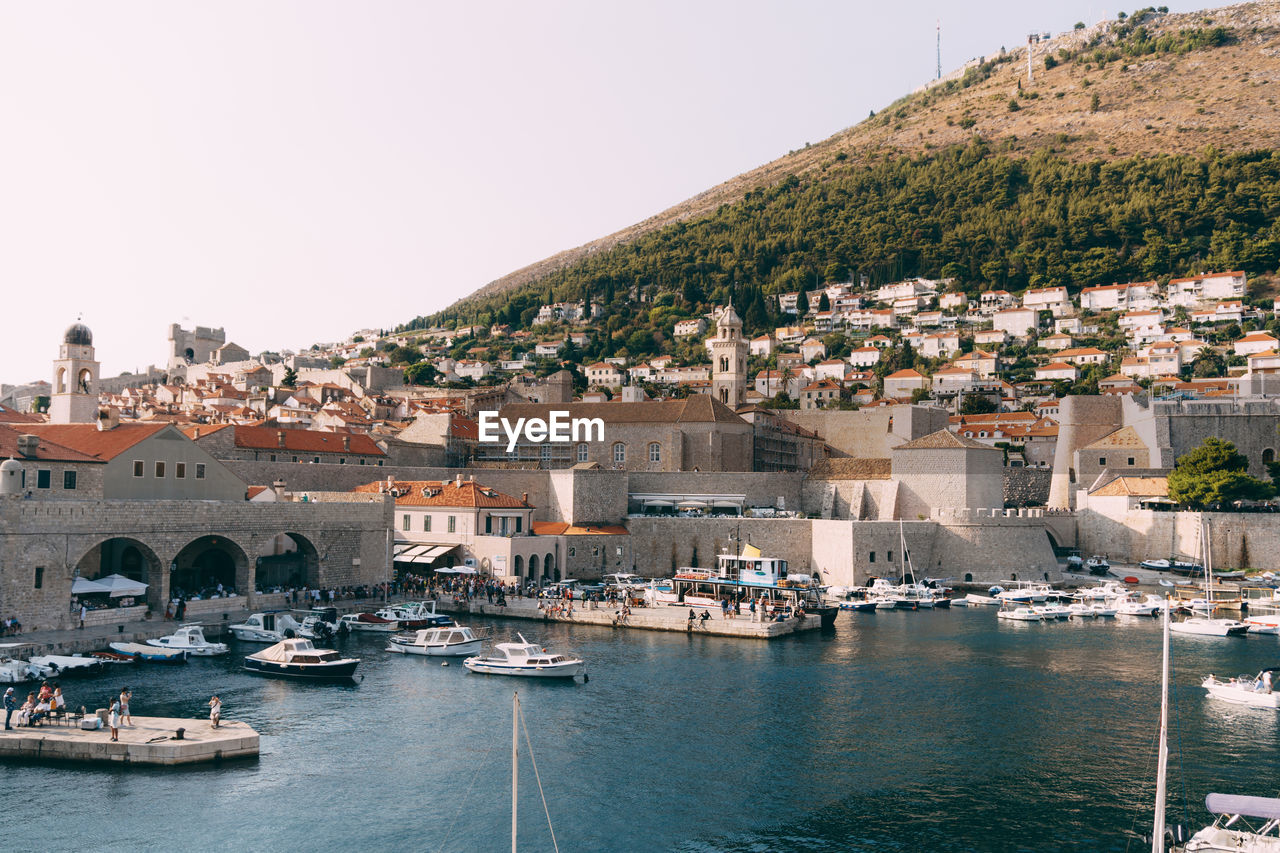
x: 294, y: 171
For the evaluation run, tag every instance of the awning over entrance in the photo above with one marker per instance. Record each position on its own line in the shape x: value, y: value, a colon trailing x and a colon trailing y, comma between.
x: 420, y: 554
x: 457, y: 570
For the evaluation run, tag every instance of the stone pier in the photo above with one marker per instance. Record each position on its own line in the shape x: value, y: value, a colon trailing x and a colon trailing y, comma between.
x: 149, y: 742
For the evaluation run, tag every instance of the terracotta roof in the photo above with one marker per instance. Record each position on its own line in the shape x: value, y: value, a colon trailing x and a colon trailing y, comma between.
x: 13, y: 416
x: 851, y: 469
x: 447, y: 493
x: 46, y: 450
x: 1145, y: 487
x: 944, y: 439
x: 906, y: 373
x: 696, y: 408
x: 102, y: 444
x: 305, y: 441
x: 562, y: 528
x: 1123, y: 438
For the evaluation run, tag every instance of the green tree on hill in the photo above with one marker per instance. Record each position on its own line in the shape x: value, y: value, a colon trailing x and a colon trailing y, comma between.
x: 290, y: 378
x: 977, y: 404
x: 1214, y: 473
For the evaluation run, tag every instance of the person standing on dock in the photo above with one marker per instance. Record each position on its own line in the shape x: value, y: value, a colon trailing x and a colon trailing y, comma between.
x: 215, y: 711
x: 84, y: 611
x: 113, y: 720
x: 125, y: 717
x: 10, y: 705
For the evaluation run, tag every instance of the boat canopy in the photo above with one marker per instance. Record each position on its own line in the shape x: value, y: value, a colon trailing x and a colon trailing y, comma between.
x: 282, y: 650
x: 1267, y: 808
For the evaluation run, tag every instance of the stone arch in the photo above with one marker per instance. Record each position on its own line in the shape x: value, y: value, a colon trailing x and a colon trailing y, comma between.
x: 208, y: 561
x: 123, y: 555
x: 533, y: 565
x: 84, y: 381
x: 1268, y: 455
x: 968, y: 577
x: 549, y: 566
x: 60, y: 381
x: 519, y: 566
x: 287, y: 561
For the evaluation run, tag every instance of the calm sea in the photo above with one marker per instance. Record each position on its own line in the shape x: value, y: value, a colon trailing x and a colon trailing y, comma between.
x: 942, y: 731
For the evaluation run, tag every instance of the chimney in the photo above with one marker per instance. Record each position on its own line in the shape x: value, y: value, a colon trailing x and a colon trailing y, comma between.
x: 457, y: 480
x: 278, y: 488
x: 28, y: 445
x: 195, y: 434
x: 280, y: 438
x: 346, y: 442
x: 524, y: 497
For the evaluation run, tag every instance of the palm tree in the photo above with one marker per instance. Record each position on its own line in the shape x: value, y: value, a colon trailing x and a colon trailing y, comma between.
x: 1208, y: 362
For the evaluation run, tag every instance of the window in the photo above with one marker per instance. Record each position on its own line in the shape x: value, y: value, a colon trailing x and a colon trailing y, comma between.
x: 39, y: 576
x: 582, y: 453
x: 69, y: 480
x: 655, y: 452
x: 888, y: 555
x: 519, y: 522
x: 199, y: 470
x: 159, y: 470
x: 488, y: 524
x: 1102, y: 460
x: 595, y: 550
x: 315, y: 459
x: 138, y: 468
x: 295, y: 459
x: 1268, y: 456
x: 618, y: 551
x: 404, y: 523
x: 272, y: 457
x: 180, y: 470
x: 546, y: 453
x: 43, y: 478
x: 1130, y: 461
x: 426, y: 523
x: 453, y: 524
x: 619, y: 452
x: 573, y: 552
x: 873, y: 557
x: 342, y: 460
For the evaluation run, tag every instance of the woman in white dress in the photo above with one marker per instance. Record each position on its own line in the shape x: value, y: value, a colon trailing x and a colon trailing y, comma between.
x: 215, y: 711
x: 114, y: 719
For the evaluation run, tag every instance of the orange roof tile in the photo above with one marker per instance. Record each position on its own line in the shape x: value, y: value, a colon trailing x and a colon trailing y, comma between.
x: 445, y: 493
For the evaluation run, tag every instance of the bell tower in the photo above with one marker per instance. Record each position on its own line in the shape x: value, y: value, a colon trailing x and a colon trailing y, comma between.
x: 729, y: 360
x: 75, y: 379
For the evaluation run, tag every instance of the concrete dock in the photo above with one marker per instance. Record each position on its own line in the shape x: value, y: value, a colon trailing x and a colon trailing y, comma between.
x: 661, y: 618
x: 147, y: 743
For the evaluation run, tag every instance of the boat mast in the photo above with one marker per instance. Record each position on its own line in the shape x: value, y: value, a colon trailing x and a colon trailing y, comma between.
x: 515, y: 729
x: 1157, y: 830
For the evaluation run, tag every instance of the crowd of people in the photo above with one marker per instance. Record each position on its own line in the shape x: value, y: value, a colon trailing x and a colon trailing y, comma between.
x: 36, y: 709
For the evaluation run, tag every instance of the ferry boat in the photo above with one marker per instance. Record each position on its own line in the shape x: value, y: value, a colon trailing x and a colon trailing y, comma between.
x: 744, y: 578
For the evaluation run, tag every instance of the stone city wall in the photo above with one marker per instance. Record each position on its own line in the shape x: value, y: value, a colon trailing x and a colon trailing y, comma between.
x: 348, y: 542
x: 662, y: 544
x: 1239, y: 540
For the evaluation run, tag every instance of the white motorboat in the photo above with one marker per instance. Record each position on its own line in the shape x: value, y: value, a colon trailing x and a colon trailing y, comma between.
x: 1243, y: 690
x: 1053, y: 611
x: 190, y: 639
x: 1148, y: 605
x: 1097, y: 565
x: 1020, y: 614
x: 413, y: 615
x: 1208, y: 626
x: 437, y: 642
x: 1025, y: 592
x: 1081, y: 610
x: 298, y: 658
x: 1103, y: 592
x: 268, y: 627
x: 1265, y: 624
x: 1103, y: 611
x: 149, y: 653
x: 369, y: 622
x: 67, y: 665
x: 975, y: 600
x: 14, y: 670
x: 529, y: 660
x: 321, y: 623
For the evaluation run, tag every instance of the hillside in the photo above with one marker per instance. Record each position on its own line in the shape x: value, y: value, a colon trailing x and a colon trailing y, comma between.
x: 1160, y: 102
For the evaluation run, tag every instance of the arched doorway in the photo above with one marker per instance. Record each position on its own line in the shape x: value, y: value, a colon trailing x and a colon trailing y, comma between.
x: 519, y: 564
x: 204, y: 564
x: 131, y: 558
x: 533, y: 565
x: 549, y: 566
x: 286, y: 561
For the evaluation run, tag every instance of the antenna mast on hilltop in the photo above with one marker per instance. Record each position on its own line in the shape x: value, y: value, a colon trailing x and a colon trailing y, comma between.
x: 939, y: 77
x: 1031, y: 40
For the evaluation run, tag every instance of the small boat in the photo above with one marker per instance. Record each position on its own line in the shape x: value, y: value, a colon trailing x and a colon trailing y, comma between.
x: 1175, y: 566
x: 1025, y: 592
x: 1265, y: 624
x: 1207, y: 626
x: 322, y: 623
x: 271, y: 626
x: 414, y: 615
x: 1097, y: 565
x: 1243, y: 690
x: 14, y: 670
x: 369, y: 622
x: 1236, y: 575
x: 298, y: 658
x: 1053, y: 611
x: 526, y: 659
x: 190, y: 638
x: 437, y: 642
x: 1148, y: 605
x: 1021, y: 614
x: 64, y: 666
x: 1081, y: 610
x: 973, y: 599
x: 150, y: 654
x: 113, y: 658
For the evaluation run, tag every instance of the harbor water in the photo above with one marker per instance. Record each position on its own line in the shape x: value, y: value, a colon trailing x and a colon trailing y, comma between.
x: 941, y: 731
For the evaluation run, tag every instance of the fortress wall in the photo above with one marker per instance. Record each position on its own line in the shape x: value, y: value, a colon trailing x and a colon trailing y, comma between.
x: 1081, y: 421
x: 1239, y: 540
x: 659, y: 544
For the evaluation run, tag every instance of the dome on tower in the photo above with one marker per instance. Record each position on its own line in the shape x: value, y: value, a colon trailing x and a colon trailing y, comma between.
x: 79, y: 334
